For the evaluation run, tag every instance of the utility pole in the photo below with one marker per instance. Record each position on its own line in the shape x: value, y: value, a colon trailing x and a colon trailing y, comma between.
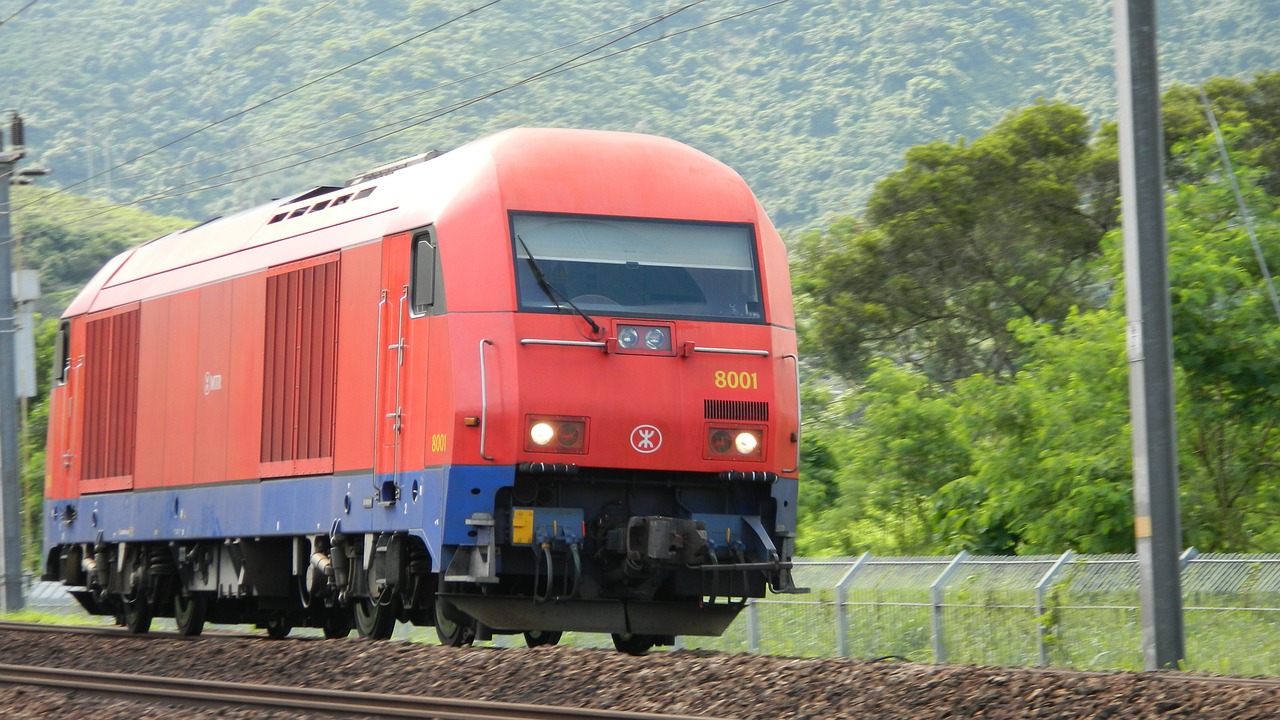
x: 11, y: 598
x: 1157, y: 525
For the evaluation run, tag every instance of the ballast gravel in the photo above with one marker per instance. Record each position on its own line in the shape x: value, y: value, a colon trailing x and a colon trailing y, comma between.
x: 697, y: 683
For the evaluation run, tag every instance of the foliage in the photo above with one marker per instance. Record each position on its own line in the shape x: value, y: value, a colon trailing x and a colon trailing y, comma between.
x: 813, y: 102
x: 961, y: 241
x: 32, y: 441
x: 1041, y: 458
x: 1051, y: 463
x: 899, y: 454
x: 69, y: 238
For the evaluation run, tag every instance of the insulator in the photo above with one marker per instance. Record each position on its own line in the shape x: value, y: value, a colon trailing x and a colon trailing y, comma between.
x: 16, y: 130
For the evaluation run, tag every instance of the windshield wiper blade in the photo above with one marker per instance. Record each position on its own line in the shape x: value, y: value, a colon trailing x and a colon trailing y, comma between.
x: 552, y: 292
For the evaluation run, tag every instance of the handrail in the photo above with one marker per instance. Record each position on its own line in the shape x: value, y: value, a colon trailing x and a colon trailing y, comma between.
x: 484, y: 400
x: 68, y: 414
x: 732, y: 351
x: 377, y: 390
x: 566, y: 343
x: 799, y: 424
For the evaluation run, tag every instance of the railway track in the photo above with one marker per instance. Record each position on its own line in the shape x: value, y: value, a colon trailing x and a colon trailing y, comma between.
x: 275, y: 697
x: 745, y: 686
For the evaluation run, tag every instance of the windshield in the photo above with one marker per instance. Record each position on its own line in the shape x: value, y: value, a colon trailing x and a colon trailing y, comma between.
x: 638, y: 268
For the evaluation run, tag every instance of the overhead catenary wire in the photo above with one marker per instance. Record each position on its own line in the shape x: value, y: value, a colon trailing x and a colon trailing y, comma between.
x: 18, y: 12
x: 412, y: 122
x: 1245, y: 216
x: 415, y: 121
x: 355, y: 113
x: 195, y: 80
x: 274, y: 98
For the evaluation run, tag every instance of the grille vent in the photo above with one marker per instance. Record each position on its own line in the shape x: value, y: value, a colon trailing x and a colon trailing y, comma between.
x: 736, y: 410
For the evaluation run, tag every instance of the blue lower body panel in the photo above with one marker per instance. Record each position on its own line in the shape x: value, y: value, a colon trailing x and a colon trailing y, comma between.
x: 432, y: 504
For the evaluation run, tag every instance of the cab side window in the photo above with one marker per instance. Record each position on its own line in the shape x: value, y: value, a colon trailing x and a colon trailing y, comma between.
x: 61, y: 362
x: 426, y: 285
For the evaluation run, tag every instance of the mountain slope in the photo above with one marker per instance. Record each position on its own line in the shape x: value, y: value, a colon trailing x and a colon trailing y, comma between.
x: 811, y: 101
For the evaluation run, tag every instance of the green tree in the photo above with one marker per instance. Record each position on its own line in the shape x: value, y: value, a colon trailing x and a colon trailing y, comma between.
x: 35, y: 428
x: 963, y: 240
x: 902, y: 449
x: 1042, y: 455
x: 1051, y: 461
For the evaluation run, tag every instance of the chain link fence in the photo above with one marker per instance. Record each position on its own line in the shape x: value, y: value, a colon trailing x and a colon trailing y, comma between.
x: 1077, y: 611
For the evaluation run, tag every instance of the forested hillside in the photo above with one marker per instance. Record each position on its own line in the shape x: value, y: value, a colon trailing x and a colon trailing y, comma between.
x: 813, y: 102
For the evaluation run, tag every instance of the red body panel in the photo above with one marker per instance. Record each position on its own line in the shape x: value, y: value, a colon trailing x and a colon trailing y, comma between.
x: 213, y: 361
x: 153, y: 417
x: 357, y: 327
x: 178, y: 402
x: 242, y: 383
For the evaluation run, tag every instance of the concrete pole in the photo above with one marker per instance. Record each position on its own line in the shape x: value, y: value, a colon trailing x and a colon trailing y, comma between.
x: 1157, y: 525
x: 11, y: 599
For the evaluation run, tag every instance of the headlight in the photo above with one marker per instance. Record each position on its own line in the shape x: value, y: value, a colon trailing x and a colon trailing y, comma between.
x: 628, y: 337
x: 541, y: 433
x: 556, y: 433
x: 726, y: 442
x: 720, y: 441
x: 656, y: 339
x: 569, y: 434
x: 644, y: 339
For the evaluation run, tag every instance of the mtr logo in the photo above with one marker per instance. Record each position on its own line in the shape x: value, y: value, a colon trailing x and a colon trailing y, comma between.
x: 646, y: 439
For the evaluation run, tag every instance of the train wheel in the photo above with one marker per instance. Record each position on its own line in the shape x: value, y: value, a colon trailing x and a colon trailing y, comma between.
x: 633, y: 644
x: 278, y: 628
x: 538, y: 638
x: 137, y: 615
x: 453, y: 627
x: 374, y: 621
x: 337, y: 625
x: 189, y: 614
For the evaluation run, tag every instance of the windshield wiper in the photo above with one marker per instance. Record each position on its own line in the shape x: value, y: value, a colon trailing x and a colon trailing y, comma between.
x: 552, y: 292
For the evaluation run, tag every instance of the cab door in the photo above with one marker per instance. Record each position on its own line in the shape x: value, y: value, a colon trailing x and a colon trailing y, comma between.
x: 389, y: 376
x: 404, y: 333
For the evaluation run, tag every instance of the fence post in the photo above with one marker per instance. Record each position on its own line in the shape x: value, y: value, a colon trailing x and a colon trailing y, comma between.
x: 1187, y: 556
x: 753, y: 626
x: 842, y: 598
x: 1041, y: 588
x: 936, y: 592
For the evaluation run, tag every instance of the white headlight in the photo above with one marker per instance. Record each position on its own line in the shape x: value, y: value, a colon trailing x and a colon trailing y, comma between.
x: 628, y: 337
x: 541, y: 433
x: 745, y: 443
x: 655, y: 339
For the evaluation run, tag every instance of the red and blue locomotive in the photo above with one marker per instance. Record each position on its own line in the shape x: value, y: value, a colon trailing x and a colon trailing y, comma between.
x: 543, y: 382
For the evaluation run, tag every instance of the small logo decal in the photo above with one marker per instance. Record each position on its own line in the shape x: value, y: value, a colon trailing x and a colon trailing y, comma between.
x: 646, y: 439
x: 212, y: 382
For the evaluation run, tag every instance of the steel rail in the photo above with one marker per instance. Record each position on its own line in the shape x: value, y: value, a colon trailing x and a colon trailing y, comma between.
x: 218, y: 693
x: 115, y: 631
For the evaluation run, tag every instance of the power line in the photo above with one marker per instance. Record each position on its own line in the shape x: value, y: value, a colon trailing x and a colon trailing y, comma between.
x: 371, y: 108
x: 282, y: 95
x: 436, y: 113
x: 19, y: 12
x: 413, y: 121
x: 205, y: 75
x: 1245, y: 216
